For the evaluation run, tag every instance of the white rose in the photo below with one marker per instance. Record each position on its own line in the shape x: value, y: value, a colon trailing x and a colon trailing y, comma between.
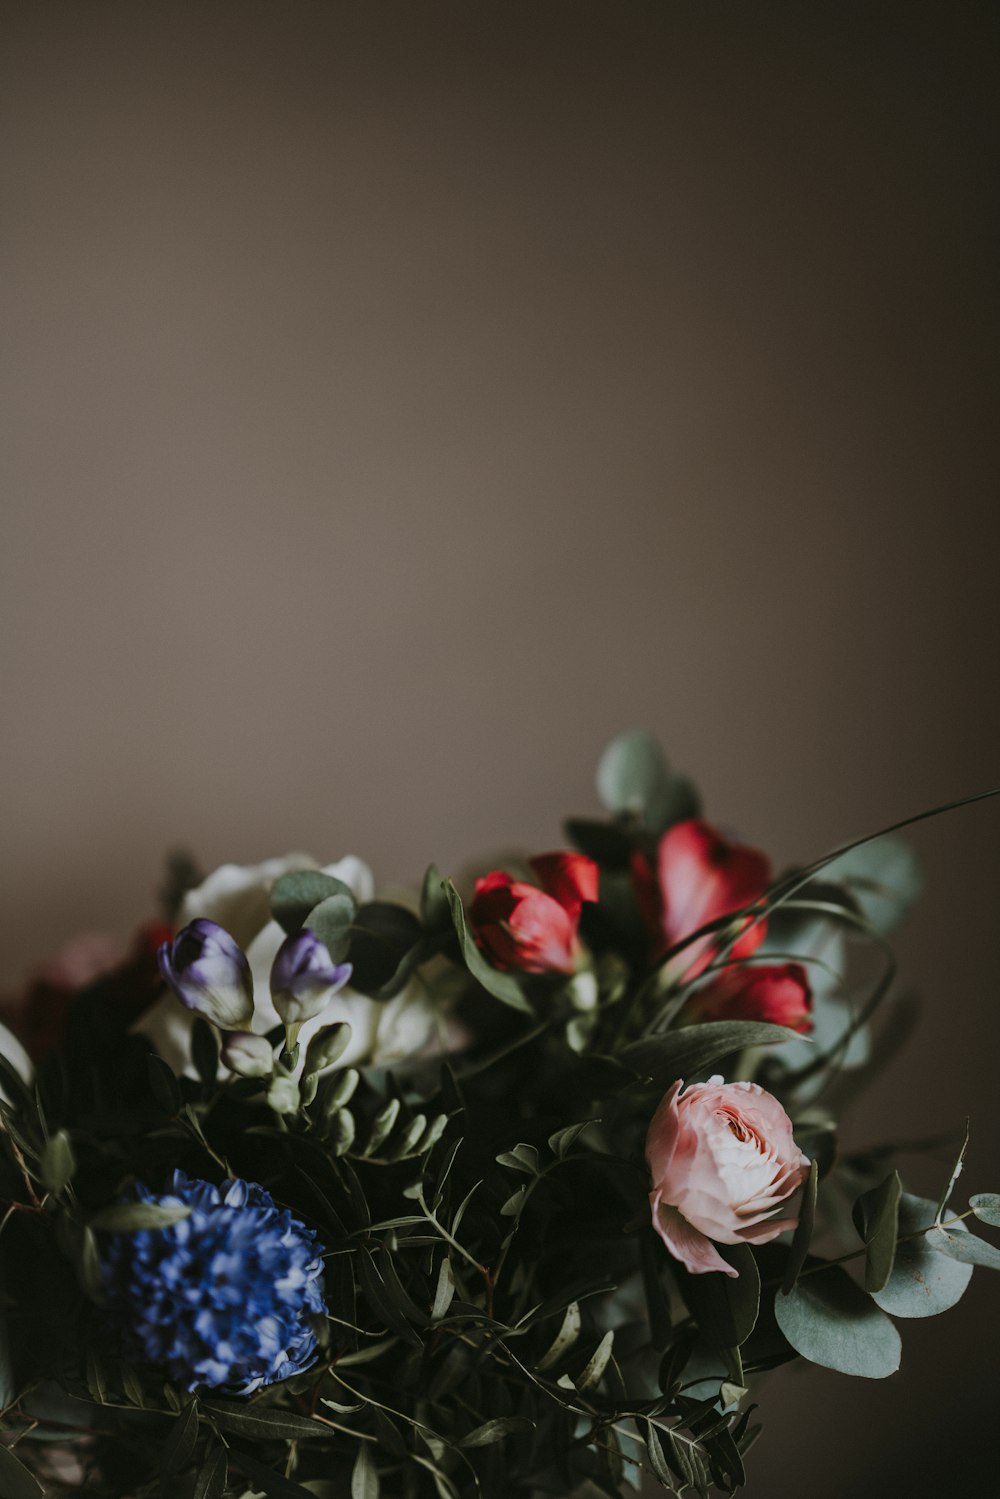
x: 238, y: 899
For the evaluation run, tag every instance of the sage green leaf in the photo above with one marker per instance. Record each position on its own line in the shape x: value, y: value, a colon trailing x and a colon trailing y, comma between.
x: 590, y: 1378
x: 385, y: 941
x: 964, y: 1247
x: 562, y: 1141
x: 266, y: 1422
x: 923, y: 1281
x: 883, y: 877
x: 521, y: 1158
x: 632, y: 774
x: 58, y: 1164
x: 802, y: 1237
x: 564, y: 1339
x: 986, y: 1206
x: 295, y: 895
x: 503, y: 986
x: 690, y: 1049
x: 178, y: 1450
x: 382, y: 1125
x: 878, y: 1219
x: 130, y: 1217
x: 445, y: 1291
x: 515, y: 1202
x: 266, y: 1480
x: 210, y: 1481
x: 830, y: 1321
x: 15, y: 1480
x: 364, y: 1475
x: 496, y: 1430
x: 326, y: 1047
x: 725, y: 1307
x: 331, y: 921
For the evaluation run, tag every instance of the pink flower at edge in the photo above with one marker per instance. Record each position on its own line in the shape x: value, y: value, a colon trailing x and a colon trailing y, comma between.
x: 700, y: 876
x: 723, y: 1163
x: 778, y: 993
x: 517, y: 925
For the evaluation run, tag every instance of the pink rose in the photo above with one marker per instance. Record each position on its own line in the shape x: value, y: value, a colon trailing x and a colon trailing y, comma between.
x: 723, y: 1162
x: 518, y: 925
x: 699, y: 877
x: 778, y: 993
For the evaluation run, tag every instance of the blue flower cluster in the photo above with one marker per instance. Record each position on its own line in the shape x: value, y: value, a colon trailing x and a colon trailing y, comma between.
x: 225, y: 1298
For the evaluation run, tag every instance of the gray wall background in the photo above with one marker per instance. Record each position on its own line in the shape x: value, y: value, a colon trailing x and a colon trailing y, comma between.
x: 401, y: 398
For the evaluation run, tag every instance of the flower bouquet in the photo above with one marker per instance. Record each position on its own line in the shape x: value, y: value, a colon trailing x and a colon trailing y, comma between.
x: 514, y: 1189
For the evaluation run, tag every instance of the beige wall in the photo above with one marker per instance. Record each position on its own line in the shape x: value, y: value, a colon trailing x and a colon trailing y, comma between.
x: 402, y: 397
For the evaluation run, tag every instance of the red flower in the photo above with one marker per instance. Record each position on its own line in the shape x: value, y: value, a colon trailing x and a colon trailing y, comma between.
x: 700, y: 877
x: 518, y: 925
x: 776, y: 992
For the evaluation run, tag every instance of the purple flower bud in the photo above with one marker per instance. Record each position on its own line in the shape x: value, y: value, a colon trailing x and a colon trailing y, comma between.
x: 209, y: 973
x: 304, y: 976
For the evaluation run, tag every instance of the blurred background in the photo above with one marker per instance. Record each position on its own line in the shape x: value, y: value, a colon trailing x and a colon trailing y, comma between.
x: 402, y: 398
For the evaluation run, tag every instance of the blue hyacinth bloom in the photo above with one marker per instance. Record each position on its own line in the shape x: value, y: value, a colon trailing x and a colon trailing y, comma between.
x: 226, y: 1298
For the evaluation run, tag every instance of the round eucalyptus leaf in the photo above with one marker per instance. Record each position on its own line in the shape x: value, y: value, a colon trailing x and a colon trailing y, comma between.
x: 923, y: 1281
x: 986, y: 1206
x: 830, y: 1321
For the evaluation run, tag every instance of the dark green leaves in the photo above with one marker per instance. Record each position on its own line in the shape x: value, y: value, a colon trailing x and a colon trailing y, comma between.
x: 495, y: 1431
x: 830, y: 1321
x: 877, y: 1219
x: 724, y: 1306
x: 265, y: 1422
x: 802, y: 1237
x: 178, y: 1450
x: 57, y: 1164
x: 634, y: 780
x: 15, y: 1480
x: 502, y: 986
x: 383, y: 937
x: 364, y: 1475
x: 691, y: 1049
x: 295, y: 896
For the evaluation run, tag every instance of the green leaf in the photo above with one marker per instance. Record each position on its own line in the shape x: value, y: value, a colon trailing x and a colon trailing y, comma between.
x: 445, y: 1291
x: 57, y: 1164
x: 725, y: 1307
x: 923, y: 1281
x: 364, y: 1475
x: 690, y: 1049
x: 502, y: 986
x: 15, y: 1480
x: 986, y: 1206
x: 382, y: 1125
x: 964, y: 1247
x: 521, y: 1158
x: 563, y: 1140
x: 383, y: 937
x: 326, y: 1047
x: 831, y: 1321
x: 163, y: 1084
x: 596, y: 1365
x: 515, y: 1202
x: 496, y: 1430
x: 130, y: 1217
x: 264, y: 1421
x: 178, y: 1450
x: 564, y: 1339
x: 331, y: 921
x: 877, y: 1215
x: 210, y: 1482
x: 802, y: 1237
x: 884, y: 878
x: 633, y: 777
x: 265, y: 1479
x: 295, y: 895
x: 434, y: 910
x: 204, y: 1050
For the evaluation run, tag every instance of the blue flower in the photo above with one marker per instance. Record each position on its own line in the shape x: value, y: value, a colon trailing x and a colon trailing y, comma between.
x: 226, y: 1298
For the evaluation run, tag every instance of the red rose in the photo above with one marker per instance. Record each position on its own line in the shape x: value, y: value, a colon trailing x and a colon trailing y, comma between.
x: 776, y: 992
x: 700, y: 876
x: 518, y: 925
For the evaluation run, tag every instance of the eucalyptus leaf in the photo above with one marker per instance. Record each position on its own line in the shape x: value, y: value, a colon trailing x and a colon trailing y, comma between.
x: 383, y: 937
x: 435, y: 912
x: 986, y: 1206
x: 57, y: 1164
x: 691, y: 1049
x: 830, y: 1321
x: 294, y: 896
x: 131, y: 1217
x: 923, y: 1281
x: 331, y: 923
x: 883, y: 877
x: 964, y: 1247
x: 503, y: 986
x: 878, y: 1221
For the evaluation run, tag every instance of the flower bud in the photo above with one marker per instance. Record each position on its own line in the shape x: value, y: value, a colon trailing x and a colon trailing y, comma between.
x: 209, y: 973
x: 248, y: 1055
x: 304, y: 977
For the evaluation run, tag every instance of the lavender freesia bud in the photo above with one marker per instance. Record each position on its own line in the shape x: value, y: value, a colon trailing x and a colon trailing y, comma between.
x: 304, y: 976
x: 248, y: 1055
x: 209, y: 973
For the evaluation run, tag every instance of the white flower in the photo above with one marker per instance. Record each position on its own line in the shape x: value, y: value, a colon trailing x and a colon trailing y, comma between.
x: 238, y: 899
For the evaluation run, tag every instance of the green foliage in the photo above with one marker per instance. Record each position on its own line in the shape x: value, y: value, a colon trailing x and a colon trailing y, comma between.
x: 830, y: 1321
x: 923, y: 1281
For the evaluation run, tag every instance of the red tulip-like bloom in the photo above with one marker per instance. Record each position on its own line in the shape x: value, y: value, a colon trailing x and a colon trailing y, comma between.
x: 520, y: 926
x: 700, y: 876
x: 778, y: 993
